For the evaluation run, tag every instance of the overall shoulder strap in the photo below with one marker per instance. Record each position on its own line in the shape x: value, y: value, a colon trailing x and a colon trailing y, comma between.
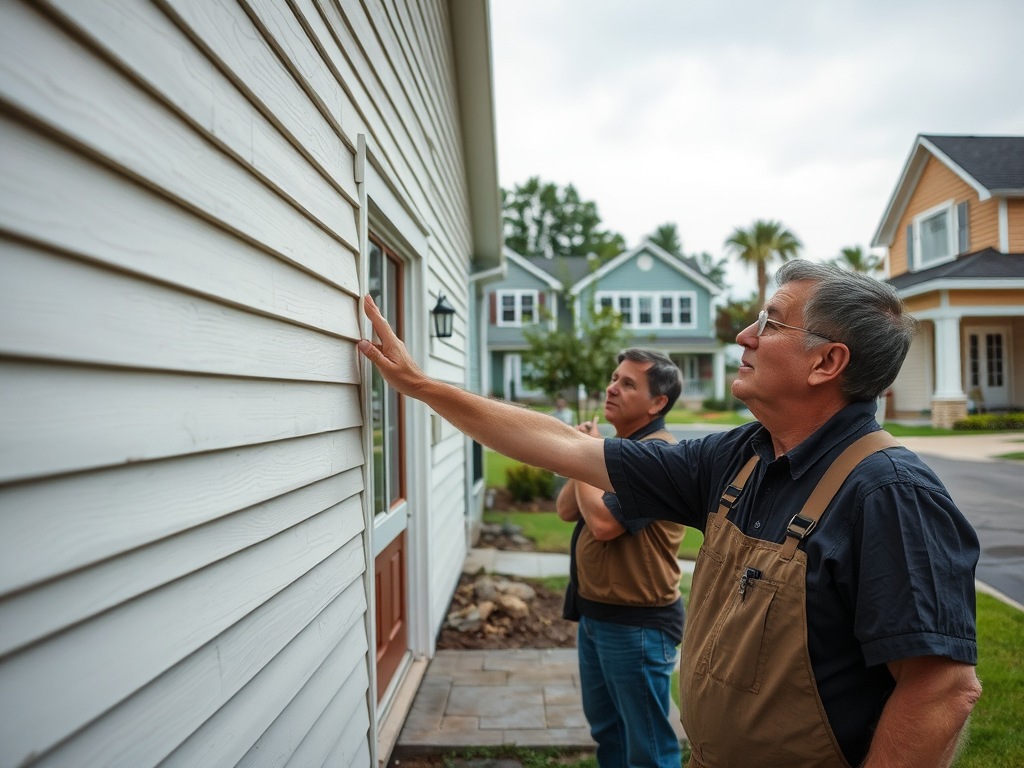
x: 803, y: 523
x: 731, y: 494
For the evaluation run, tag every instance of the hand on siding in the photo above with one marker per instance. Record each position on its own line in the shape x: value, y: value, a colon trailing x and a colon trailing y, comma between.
x: 390, y: 356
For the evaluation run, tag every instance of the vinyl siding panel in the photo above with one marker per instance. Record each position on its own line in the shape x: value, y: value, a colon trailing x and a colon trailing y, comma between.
x: 181, y: 436
x: 913, y: 386
x: 1005, y: 297
x: 1015, y: 224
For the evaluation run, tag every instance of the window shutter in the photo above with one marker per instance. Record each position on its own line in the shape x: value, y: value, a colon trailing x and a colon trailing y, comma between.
x: 494, y: 308
x: 963, y: 228
x: 910, y: 246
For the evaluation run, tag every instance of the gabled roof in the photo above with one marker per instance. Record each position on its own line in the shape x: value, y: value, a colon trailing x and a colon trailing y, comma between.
x: 992, y: 165
x: 685, y: 266
x: 567, y: 269
x: 531, y: 266
x: 974, y: 270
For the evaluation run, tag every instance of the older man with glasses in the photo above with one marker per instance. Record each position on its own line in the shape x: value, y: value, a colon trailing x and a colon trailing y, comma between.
x: 831, y: 619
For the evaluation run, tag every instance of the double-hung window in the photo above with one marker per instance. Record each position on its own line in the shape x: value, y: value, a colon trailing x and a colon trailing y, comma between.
x: 937, y: 235
x: 646, y: 310
x: 516, y: 308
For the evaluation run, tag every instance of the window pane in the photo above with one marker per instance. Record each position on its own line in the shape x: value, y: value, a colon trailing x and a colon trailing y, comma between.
x: 975, y: 366
x: 644, y: 310
x: 508, y: 307
x: 935, y: 237
x: 527, y: 305
x: 393, y: 417
x: 385, y: 403
x: 685, y: 311
x: 994, y: 348
x: 606, y: 301
x: 376, y: 286
x: 666, y: 310
x: 626, y: 309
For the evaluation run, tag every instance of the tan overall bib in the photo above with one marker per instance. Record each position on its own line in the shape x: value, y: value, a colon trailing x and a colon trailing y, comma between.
x: 747, y: 691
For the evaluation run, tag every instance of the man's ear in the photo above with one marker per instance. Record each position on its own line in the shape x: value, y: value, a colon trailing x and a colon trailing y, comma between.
x: 829, y: 363
x: 656, y: 405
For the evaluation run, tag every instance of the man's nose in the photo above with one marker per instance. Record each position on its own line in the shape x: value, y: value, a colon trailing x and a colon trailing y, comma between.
x: 748, y: 336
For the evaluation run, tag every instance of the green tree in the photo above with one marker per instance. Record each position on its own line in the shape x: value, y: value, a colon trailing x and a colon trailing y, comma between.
x: 542, y: 220
x: 735, y: 315
x: 759, y: 246
x: 667, y: 238
x: 565, y: 358
x: 712, y: 268
x: 855, y: 259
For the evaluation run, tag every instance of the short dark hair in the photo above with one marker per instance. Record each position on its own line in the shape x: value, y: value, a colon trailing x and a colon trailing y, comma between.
x: 663, y: 377
x: 861, y: 312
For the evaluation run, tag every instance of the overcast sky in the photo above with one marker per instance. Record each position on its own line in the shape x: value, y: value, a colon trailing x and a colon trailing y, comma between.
x: 714, y: 114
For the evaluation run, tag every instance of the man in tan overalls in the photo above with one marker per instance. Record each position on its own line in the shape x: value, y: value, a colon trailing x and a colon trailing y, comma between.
x: 624, y: 585
x: 831, y: 618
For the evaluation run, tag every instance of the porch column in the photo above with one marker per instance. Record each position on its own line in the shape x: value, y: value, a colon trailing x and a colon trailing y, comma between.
x: 718, y: 366
x: 949, y: 402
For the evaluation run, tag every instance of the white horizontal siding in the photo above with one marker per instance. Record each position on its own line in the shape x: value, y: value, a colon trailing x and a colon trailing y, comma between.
x: 182, y: 550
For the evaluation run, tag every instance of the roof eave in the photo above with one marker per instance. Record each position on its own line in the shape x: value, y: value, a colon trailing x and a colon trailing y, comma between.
x: 474, y: 84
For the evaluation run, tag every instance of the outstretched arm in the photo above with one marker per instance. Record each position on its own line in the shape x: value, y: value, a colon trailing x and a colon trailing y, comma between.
x: 528, y: 436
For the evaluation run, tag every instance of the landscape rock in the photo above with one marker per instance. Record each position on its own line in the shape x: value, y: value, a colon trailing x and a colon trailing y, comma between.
x: 524, y: 592
x: 512, y: 606
x: 484, y: 588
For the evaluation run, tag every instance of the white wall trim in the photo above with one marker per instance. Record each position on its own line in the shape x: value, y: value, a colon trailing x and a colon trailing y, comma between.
x: 1004, y: 226
x: 962, y: 284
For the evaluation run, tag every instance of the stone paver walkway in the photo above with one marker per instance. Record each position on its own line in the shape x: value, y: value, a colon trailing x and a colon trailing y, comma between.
x: 529, y: 697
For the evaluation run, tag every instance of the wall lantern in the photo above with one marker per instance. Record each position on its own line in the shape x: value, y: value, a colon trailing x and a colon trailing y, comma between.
x: 444, y: 316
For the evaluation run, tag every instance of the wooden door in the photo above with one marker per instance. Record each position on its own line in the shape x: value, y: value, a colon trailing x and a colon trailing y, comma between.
x: 392, y: 627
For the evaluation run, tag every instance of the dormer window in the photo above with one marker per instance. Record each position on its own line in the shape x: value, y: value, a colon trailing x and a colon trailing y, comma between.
x: 937, y: 235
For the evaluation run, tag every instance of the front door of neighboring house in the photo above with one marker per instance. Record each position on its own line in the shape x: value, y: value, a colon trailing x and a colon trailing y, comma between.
x: 390, y: 504
x: 513, y: 378
x: 987, y: 365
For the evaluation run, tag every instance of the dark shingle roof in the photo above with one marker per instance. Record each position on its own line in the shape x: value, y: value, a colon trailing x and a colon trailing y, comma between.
x: 997, y: 162
x: 567, y: 269
x: 988, y: 264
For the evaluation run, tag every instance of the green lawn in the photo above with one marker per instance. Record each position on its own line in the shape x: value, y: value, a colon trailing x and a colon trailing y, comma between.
x: 552, y: 535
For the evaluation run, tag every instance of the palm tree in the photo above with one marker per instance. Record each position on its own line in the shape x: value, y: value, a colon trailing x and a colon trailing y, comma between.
x: 666, y: 237
x: 855, y: 260
x: 759, y: 246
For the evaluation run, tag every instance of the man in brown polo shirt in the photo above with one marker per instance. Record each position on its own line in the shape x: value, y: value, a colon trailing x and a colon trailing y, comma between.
x: 624, y: 585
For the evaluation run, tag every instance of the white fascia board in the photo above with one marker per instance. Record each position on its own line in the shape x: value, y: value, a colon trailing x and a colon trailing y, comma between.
x: 905, y: 185
x: 654, y: 250
x: 537, y: 272
x: 968, y: 284
x: 474, y: 82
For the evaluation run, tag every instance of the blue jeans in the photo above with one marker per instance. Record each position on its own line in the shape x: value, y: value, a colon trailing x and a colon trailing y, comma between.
x: 625, y: 675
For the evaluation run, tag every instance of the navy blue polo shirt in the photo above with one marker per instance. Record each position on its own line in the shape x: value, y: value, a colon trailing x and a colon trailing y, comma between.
x: 890, y: 566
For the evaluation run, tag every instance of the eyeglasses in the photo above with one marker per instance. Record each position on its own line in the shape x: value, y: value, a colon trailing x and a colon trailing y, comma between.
x: 763, y: 320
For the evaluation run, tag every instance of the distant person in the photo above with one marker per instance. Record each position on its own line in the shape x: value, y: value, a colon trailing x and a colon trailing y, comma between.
x: 563, y: 413
x: 624, y: 585
x: 832, y: 614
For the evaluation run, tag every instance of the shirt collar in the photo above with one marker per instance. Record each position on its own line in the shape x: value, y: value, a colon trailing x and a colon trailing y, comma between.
x: 851, y: 420
x: 650, y: 429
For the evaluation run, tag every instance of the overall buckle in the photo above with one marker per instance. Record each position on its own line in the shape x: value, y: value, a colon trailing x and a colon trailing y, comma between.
x: 800, y: 527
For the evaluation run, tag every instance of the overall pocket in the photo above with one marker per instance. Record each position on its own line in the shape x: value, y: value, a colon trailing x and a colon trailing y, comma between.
x: 740, y: 651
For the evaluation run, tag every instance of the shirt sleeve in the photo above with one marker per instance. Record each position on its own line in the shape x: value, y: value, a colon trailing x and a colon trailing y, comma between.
x: 915, y: 560
x: 632, y: 526
x: 656, y: 480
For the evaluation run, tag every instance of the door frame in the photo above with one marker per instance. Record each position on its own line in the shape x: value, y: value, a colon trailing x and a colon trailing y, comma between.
x: 980, y: 330
x: 407, y: 236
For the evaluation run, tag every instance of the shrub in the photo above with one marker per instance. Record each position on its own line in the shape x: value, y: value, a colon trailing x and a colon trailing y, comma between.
x: 710, y: 404
x: 526, y: 483
x: 991, y: 421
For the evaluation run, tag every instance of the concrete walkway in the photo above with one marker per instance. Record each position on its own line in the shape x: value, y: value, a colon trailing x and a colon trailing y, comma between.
x: 529, y: 697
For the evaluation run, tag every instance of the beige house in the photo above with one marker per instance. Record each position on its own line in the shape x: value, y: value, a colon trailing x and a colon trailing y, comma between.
x: 222, y: 541
x: 954, y: 237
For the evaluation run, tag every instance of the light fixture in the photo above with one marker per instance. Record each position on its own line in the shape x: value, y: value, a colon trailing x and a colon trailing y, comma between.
x: 444, y: 316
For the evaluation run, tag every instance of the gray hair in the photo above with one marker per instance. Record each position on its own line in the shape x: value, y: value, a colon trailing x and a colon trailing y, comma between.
x: 663, y: 377
x: 865, y: 314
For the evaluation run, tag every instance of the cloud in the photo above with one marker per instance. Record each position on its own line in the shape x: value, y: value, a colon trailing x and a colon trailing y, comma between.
x: 715, y: 114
